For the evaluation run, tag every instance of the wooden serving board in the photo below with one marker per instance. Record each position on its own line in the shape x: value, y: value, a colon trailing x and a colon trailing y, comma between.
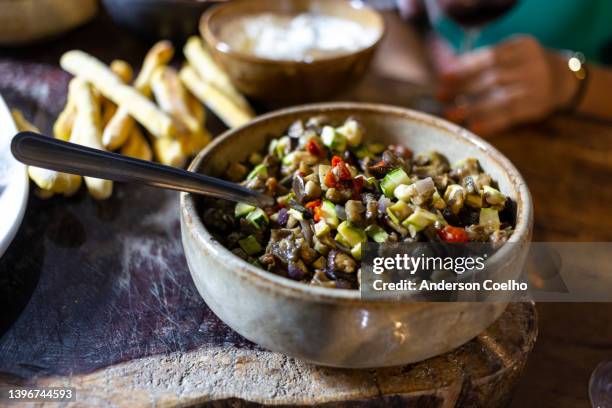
x: 98, y: 297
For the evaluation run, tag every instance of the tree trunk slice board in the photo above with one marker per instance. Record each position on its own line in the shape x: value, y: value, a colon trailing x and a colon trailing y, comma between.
x: 481, y: 373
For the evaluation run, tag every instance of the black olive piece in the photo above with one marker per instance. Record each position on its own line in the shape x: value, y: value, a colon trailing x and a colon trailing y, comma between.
x: 451, y: 218
x: 349, y: 157
x: 508, y: 214
x: 469, y: 216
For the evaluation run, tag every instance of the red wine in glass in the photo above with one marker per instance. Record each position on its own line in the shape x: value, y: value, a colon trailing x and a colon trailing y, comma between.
x: 475, y: 13
x: 471, y: 15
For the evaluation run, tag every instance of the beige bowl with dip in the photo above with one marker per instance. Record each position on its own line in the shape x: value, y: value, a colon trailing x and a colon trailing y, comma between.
x: 293, y: 50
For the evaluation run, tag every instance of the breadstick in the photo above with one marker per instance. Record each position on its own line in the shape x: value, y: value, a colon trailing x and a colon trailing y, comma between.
x: 64, y: 122
x: 196, y: 108
x: 137, y: 105
x: 86, y: 131
x: 48, y: 182
x: 225, y: 108
x: 201, y: 60
x: 169, y: 152
x: 159, y: 55
x: 121, y: 125
x: 171, y: 96
x: 137, y: 146
x: 123, y: 70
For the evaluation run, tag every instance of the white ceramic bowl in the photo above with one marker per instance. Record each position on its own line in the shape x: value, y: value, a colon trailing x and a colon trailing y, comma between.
x: 13, y: 185
x: 336, y: 327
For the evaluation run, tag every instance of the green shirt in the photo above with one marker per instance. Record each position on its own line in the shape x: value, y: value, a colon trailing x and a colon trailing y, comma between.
x: 577, y: 25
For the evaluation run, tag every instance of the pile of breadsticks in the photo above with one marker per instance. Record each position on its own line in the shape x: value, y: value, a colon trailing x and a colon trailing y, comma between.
x: 158, y: 114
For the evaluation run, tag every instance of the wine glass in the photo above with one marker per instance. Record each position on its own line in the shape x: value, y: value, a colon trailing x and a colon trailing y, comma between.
x: 470, y: 15
x: 600, y: 385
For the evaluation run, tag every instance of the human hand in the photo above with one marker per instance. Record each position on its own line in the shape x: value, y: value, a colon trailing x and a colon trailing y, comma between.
x: 494, y: 88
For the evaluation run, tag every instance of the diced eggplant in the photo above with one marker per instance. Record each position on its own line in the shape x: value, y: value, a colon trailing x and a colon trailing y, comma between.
x: 355, y: 211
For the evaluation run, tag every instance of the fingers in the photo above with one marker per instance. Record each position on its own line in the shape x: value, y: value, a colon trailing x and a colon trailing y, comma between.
x: 483, y: 68
x: 496, y: 110
x: 494, y: 88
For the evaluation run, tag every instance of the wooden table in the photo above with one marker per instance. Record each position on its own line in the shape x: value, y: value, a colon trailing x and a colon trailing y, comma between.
x: 567, y: 163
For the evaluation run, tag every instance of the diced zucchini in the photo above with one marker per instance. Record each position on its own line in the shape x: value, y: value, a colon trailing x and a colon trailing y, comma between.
x: 393, y: 179
x: 243, y: 209
x: 283, y: 200
x: 351, y: 234
x: 372, y: 182
x: 258, y: 171
x: 400, y: 210
x: 474, y: 200
x: 377, y: 233
x: 289, y: 159
x: 341, y: 240
x: 493, y: 196
x: 356, y: 251
x: 489, y: 218
x: 250, y: 245
x: 376, y: 148
x: 321, y: 229
x: 419, y: 220
x: 328, y: 211
x: 258, y: 218
x: 255, y: 158
x: 352, y: 131
x: 333, y: 139
x: 323, y: 170
x: 361, y: 152
x: 392, y: 216
x: 320, y: 247
x: 282, y: 147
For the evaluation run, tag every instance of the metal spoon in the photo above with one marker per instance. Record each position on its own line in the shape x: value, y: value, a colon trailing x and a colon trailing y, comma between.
x: 50, y: 153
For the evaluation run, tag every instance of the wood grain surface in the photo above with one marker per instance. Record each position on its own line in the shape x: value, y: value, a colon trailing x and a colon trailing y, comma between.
x: 77, y: 269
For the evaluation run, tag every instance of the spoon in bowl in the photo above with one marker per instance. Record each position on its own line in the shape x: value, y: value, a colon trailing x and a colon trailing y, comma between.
x: 53, y: 154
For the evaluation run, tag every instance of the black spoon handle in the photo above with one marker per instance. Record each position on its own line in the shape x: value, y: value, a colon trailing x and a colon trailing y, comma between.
x: 50, y: 153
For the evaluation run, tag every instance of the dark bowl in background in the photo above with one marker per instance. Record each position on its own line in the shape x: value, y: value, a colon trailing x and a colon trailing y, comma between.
x: 159, y: 19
